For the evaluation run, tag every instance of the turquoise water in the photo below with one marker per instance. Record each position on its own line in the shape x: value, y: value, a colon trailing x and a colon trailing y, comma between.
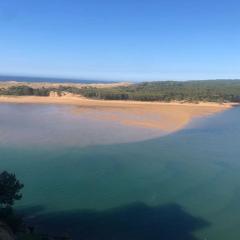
x: 192, y: 174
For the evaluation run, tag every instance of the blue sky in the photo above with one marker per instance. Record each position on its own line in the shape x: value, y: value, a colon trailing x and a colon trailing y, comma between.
x: 121, y: 40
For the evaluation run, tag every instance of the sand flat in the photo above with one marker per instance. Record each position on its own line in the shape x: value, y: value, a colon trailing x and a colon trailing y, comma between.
x: 168, y: 117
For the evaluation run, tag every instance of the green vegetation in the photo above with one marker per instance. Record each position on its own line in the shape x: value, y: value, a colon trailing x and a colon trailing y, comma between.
x: 10, y: 189
x: 25, y: 91
x: 189, y: 91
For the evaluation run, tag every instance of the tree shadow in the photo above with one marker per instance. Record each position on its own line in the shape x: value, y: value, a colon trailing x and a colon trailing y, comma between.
x: 136, y: 221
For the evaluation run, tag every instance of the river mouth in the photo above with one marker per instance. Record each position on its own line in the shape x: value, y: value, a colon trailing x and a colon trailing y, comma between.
x: 81, y: 126
x: 68, y: 126
x: 195, y: 169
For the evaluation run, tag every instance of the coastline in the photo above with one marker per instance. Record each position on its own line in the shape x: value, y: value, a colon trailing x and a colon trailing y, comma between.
x: 168, y: 117
x: 78, y: 100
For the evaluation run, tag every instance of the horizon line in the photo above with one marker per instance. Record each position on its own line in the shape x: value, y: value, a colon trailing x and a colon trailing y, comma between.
x: 69, y: 78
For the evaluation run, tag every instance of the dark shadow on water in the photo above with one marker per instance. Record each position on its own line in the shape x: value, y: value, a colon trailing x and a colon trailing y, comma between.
x: 136, y: 221
x: 30, y: 211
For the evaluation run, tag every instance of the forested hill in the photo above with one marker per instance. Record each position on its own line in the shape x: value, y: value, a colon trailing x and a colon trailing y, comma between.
x: 190, y: 91
x: 208, y: 90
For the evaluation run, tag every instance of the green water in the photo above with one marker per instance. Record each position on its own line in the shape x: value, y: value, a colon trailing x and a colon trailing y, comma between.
x: 197, y: 168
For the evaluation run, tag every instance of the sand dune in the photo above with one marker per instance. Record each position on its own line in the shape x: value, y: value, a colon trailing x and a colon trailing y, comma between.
x: 7, y: 84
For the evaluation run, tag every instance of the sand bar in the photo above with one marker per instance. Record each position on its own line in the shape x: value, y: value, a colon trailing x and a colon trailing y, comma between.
x: 167, y: 117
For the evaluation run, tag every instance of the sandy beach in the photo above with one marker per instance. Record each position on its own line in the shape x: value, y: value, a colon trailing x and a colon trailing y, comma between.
x: 168, y: 117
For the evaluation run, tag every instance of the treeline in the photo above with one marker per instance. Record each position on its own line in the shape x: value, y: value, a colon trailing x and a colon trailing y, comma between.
x: 25, y: 91
x: 189, y: 91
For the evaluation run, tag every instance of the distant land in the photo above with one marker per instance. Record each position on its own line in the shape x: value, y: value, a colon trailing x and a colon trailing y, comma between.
x: 195, y: 91
x: 37, y: 79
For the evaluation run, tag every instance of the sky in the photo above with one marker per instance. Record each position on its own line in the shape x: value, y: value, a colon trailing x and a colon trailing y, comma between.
x: 130, y: 40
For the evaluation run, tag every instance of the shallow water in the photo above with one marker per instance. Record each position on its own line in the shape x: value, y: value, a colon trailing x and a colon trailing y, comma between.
x: 23, y: 125
x: 196, y: 170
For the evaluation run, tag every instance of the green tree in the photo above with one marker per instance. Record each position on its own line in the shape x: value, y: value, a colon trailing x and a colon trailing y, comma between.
x: 10, y: 189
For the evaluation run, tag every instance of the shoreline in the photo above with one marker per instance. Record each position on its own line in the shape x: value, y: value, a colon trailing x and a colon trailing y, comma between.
x: 78, y: 100
x: 169, y: 117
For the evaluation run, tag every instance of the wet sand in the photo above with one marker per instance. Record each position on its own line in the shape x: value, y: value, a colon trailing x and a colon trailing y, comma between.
x: 168, y: 117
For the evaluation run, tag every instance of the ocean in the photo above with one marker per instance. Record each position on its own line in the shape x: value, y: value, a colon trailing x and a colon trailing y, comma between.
x: 33, y: 79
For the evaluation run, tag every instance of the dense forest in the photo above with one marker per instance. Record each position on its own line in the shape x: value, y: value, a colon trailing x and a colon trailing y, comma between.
x: 25, y: 91
x: 190, y: 91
